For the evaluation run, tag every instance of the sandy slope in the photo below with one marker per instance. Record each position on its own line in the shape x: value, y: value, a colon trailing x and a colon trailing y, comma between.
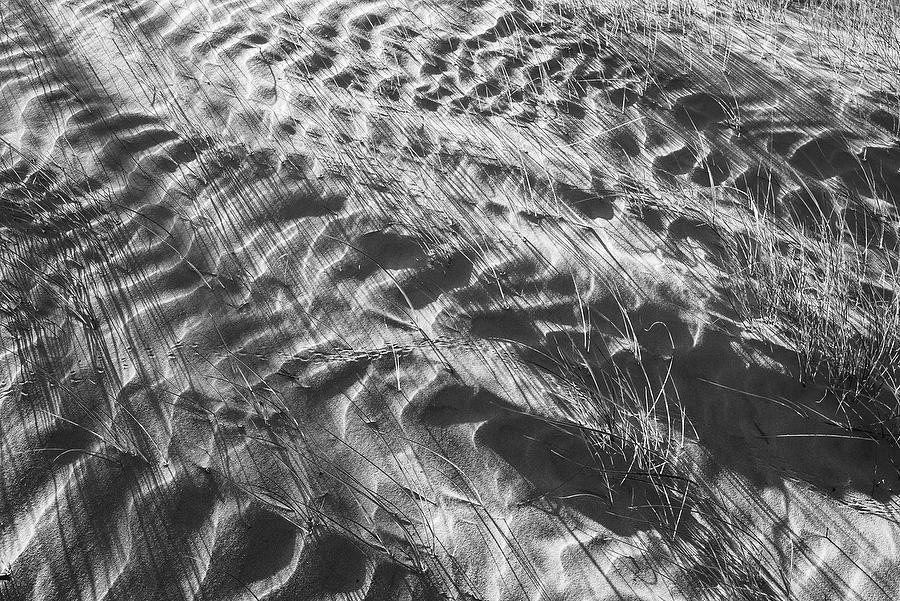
x: 308, y: 300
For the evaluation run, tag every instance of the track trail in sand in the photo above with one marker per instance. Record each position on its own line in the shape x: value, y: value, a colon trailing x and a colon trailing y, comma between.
x: 301, y: 300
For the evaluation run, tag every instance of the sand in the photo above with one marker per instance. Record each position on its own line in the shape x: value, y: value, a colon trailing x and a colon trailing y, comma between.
x: 417, y: 300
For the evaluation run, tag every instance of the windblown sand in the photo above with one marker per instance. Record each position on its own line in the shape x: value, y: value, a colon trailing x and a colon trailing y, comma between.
x: 322, y: 300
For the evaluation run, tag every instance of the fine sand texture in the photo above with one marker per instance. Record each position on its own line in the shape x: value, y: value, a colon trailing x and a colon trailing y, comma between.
x: 474, y: 300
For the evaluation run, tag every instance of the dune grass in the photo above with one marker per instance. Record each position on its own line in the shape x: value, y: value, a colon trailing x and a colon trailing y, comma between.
x: 834, y: 301
x: 859, y: 37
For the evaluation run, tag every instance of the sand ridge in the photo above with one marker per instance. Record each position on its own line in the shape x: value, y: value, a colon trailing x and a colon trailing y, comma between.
x: 328, y: 300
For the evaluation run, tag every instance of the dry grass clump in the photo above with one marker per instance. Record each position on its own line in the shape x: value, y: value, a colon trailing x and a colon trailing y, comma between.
x: 628, y: 409
x: 861, y: 37
x: 835, y: 302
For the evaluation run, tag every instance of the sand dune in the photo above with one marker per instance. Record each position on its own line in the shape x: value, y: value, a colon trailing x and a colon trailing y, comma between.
x: 410, y: 300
